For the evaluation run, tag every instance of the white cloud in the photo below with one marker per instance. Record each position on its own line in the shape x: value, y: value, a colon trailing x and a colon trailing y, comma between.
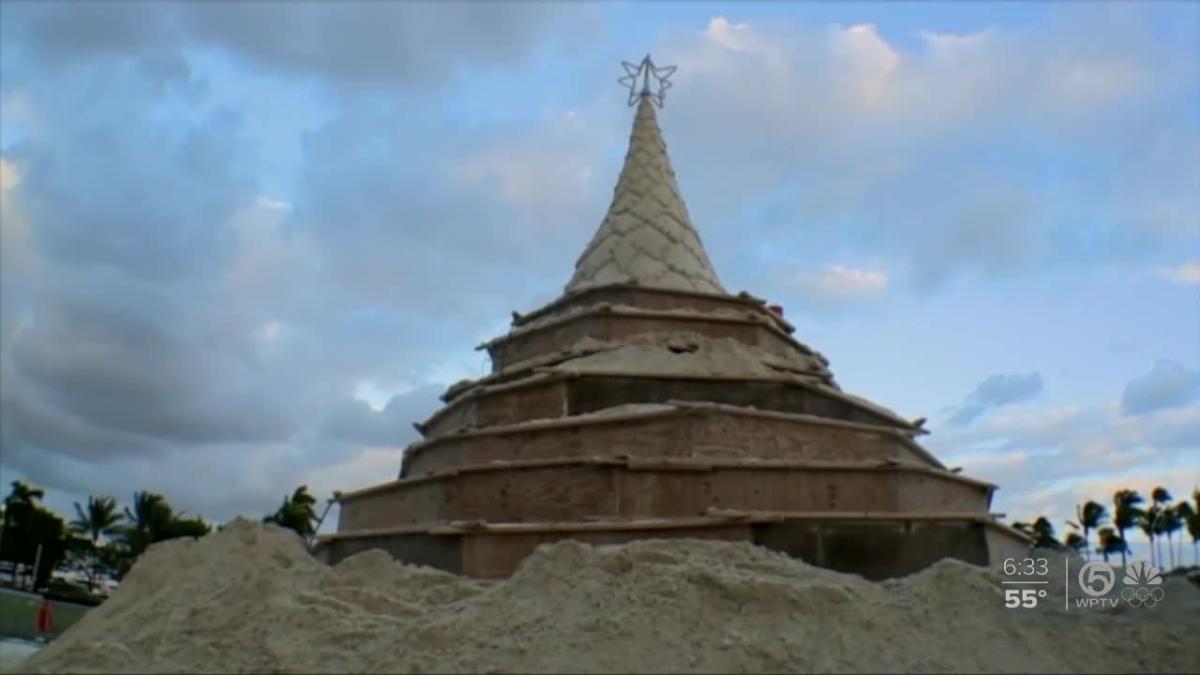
x: 997, y: 390
x: 9, y: 176
x: 1169, y: 384
x: 987, y: 462
x: 731, y: 36
x: 369, y: 466
x: 270, y: 332
x: 1187, y: 273
x: 13, y: 226
x: 376, y: 395
x: 16, y: 250
x: 838, y: 284
x: 855, y: 136
x: 867, y: 63
x: 267, y: 264
x: 462, y: 366
x: 547, y: 171
x: 16, y: 111
x: 273, y: 204
x: 955, y: 44
x: 1047, y: 460
x: 1043, y: 423
x: 1096, y: 82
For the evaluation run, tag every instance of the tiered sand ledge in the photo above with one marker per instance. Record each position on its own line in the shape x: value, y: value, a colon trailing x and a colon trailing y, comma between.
x: 669, y: 429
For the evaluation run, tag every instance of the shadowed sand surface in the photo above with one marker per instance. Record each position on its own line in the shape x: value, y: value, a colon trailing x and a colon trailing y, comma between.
x: 251, y: 599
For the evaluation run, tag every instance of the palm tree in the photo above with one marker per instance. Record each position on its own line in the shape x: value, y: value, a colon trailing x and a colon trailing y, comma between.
x: 1172, y: 521
x: 188, y: 527
x: 101, y: 517
x: 1193, y: 526
x: 23, y: 494
x: 149, y: 521
x: 21, y: 500
x: 1162, y: 499
x: 1075, y: 542
x: 296, y: 513
x: 19, y: 505
x: 1126, y: 514
x: 1044, y: 533
x: 1110, y: 543
x: 1089, y: 516
x: 1148, y: 522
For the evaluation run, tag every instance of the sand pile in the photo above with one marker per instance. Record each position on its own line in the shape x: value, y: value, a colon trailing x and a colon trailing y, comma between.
x: 249, y: 598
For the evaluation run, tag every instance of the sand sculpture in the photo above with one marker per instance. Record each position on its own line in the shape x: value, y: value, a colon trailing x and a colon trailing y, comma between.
x: 648, y: 402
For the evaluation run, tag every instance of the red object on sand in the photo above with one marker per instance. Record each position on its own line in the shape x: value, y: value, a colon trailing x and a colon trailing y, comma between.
x: 776, y: 309
x: 45, y: 617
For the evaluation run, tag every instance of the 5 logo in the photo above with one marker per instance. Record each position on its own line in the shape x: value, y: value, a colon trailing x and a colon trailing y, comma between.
x: 1097, y: 578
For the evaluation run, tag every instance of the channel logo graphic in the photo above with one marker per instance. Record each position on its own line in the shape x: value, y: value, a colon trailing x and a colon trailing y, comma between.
x: 1142, y: 581
x: 1096, y: 579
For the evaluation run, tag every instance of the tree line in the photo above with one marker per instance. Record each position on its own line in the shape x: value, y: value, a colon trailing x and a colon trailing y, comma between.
x: 104, y: 538
x: 1158, y: 519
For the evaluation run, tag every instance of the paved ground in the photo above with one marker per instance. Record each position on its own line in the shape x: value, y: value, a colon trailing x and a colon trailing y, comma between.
x: 13, y: 652
x: 18, y: 614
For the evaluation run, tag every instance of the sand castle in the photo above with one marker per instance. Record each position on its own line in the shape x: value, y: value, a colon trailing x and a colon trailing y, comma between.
x: 648, y: 402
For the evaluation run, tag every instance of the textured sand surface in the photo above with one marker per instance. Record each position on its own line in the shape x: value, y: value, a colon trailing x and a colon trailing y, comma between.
x: 647, y: 236
x: 250, y: 599
x: 690, y: 354
x: 663, y: 352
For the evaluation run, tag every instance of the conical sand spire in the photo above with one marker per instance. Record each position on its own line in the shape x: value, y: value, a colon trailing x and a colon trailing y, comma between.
x: 647, y: 237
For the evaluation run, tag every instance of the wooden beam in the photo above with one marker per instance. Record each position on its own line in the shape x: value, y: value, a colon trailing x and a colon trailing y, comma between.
x: 670, y: 464
x: 456, y: 528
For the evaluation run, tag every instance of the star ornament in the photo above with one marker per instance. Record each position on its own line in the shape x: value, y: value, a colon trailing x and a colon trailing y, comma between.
x: 643, y: 71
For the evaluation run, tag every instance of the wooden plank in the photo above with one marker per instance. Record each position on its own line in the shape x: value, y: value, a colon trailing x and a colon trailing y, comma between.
x: 565, y: 300
x: 453, y: 528
x: 477, y: 398
x: 790, y: 380
x: 685, y: 464
x: 699, y: 433
x: 988, y: 519
x: 565, y: 330
x: 679, y: 408
x: 852, y: 515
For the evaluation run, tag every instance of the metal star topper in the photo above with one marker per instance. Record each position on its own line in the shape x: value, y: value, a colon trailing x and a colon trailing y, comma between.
x: 643, y: 71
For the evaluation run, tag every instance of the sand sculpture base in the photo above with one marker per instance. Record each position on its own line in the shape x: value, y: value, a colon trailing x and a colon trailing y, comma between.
x: 875, y: 546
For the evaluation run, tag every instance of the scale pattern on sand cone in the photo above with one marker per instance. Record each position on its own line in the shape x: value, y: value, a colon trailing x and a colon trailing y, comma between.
x: 250, y: 599
x: 647, y: 237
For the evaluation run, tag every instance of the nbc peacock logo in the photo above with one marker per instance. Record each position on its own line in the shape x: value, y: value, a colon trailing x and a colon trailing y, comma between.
x: 1143, y: 584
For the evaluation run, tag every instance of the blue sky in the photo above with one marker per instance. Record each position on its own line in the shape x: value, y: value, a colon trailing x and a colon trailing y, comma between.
x: 244, y: 246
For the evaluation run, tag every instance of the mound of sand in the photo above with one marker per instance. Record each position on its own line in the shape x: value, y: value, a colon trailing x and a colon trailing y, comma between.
x: 251, y: 599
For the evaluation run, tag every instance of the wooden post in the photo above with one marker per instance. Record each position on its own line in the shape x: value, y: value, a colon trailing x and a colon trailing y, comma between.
x: 37, y: 561
x: 328, y: 504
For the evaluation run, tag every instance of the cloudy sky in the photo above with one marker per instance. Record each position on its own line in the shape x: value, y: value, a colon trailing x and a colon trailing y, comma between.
x: 244, y: 246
